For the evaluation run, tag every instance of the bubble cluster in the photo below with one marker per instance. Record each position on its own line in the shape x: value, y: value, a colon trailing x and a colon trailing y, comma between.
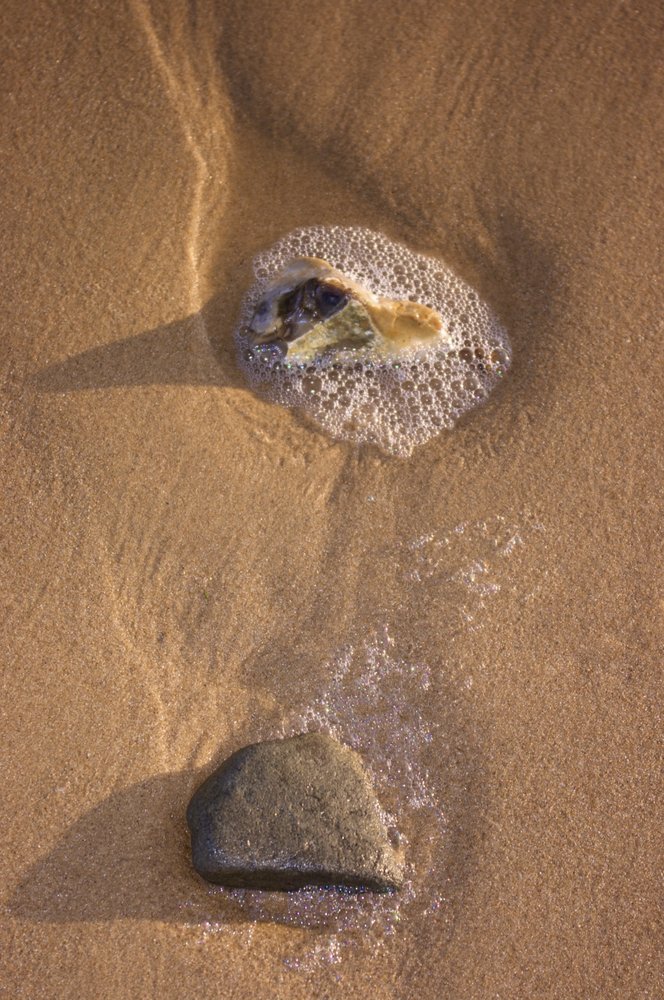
x: 470, y: 564
x: 396, y: 403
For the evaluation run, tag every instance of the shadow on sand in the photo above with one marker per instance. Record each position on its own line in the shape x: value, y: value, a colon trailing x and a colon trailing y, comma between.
x: 177, y: 353
x: 126, y: 858
x: 129, y: 858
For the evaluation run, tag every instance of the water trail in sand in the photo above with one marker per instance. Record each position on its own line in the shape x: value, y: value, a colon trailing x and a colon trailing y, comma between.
x: 195, y: 94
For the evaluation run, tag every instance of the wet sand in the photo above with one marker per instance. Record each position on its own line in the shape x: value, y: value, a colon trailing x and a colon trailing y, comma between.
x: 182, y: 561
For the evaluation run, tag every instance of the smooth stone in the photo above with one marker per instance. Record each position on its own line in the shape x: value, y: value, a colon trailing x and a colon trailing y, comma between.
x: 289, y: 813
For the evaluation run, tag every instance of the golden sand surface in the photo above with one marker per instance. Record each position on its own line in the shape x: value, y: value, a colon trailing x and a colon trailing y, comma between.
x: 181, y: 559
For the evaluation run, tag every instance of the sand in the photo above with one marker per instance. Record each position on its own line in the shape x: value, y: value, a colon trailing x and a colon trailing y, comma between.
x: 183, y: 561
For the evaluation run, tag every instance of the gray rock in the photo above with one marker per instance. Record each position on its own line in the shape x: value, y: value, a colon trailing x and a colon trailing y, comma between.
x: 290, y: 813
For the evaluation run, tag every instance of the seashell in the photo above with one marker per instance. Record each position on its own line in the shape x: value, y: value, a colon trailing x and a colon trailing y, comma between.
x: 311, y: 309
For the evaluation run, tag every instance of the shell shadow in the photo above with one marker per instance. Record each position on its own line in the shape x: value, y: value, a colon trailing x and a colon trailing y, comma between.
x: 178, y: 353
x: 128, y: 857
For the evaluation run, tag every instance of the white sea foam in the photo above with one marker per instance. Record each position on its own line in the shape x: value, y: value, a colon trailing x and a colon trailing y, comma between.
x: 399, y: 403
x: 469, y: 564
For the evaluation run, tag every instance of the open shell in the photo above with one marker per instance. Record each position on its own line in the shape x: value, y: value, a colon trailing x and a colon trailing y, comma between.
x: 310, y: 309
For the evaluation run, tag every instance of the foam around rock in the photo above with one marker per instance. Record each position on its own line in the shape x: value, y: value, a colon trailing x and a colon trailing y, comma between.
x: 395, y: 404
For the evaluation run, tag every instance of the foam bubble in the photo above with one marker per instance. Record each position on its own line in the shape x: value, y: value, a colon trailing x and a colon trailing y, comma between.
x: 395, y: 403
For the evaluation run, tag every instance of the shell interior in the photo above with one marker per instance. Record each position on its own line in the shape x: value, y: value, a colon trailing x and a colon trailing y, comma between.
x: 310, y: 310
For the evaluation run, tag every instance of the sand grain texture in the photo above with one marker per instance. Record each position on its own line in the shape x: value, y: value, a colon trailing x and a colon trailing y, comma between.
x: 180, y: 558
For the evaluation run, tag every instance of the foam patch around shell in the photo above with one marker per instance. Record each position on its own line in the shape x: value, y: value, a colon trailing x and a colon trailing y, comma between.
x: 397, y: 403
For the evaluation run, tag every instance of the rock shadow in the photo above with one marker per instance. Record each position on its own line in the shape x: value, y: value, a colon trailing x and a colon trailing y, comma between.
x: 128, y: 857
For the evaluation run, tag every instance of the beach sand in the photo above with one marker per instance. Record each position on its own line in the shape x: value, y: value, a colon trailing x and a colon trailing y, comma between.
x: 183, y: 561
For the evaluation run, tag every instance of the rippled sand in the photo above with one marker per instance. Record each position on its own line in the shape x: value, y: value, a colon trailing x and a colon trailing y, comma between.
x: 189, y: 567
